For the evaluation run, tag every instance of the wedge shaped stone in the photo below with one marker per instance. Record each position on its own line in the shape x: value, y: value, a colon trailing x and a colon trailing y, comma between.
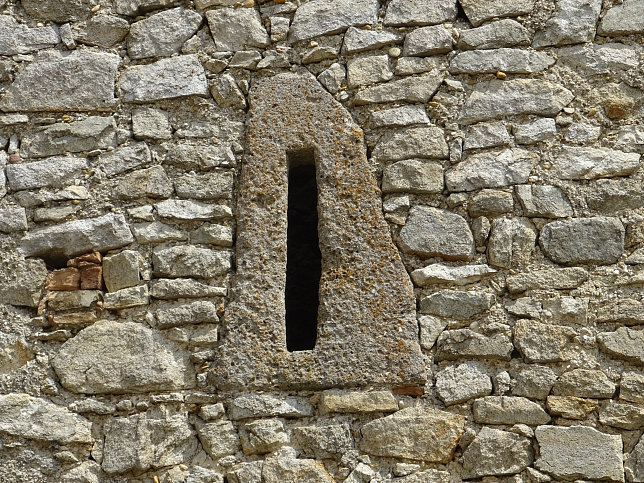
x: 347, y: 350
x: 478, y: 11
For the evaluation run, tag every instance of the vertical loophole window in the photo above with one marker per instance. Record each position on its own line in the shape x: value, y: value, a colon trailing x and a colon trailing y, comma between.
x: 304, y: 260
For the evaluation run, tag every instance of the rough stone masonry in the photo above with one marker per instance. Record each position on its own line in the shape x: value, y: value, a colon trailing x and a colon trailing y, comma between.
x: 480, y: 216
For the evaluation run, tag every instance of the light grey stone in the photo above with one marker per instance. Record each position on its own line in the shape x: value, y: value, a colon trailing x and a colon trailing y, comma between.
x: 333, y: 77
x: 508, y: 410
x: 418, y: 65
x: 631, y: 139
x: 324, y: 17
x: 631, y: 387
x: 524, y: 307
x: 495, y: 99
x: 573, y: 22
x: 568, y: 309
x: 434, y: 232
x: 18, y: 38
x: 88, y: 78
x: 456, y: 304
x: 266, y: 405
x: 571, y: 162
x: 624, y: 343
x: 248, y: 472
x: 176, y: 314
x: 494, y: 452
x: 539, y: 342
x: 457, y: 384
x: 156, y: 232
x: 341, y: 401
x: 126, y: 297
x: 121, y: 270
x: 534, y: 381
x: 323, y: 442
x: 77, y: 237
x: 552, y: 278
x: 582, y: 132
x: 149, y: 123
x: 623, y: 19
x: 579, y: 452
x: 57, y: 213
x: 189, y: 261
x: 412, y: 142
x: 237, y: 29
x: 544, y: 201
x: 162, y: 34
x: 597, y: 59
x: 511, y: 242
x: 165, y: 79
x: 219, y: 438
x: 416, y: 433
x: 60, y: 12
x: 194, y: 155
x: 411, y: 89
x: 610, y: 196
x: 479, y: 11
x: 426, y: 476
x: 430, y: 329
x: 486, y: 135
x: 623, y: 416
x: 362, y: 473
x: 12, y: 219
x: 263, y: 436
x: 112, y: 357
x: 92, y: 406
x: 458, y: 275
x: 179, y: 288
x: 368, y: 70
x: 492, y: 169
x: 286, y: 467
x: 490, y: 203
x: 191, y: 210
x: 124, y: 158
x: 541, y: 129
x: 466, y: 344
x: 431, y: 40
x: 413, y: 176
x: 360, y: 40
x: 133, y: 7
x: 92, y: 133
x: 401, y: 13
x: 205, y: 186
x: 140, y: 442
x: 511, y: 61
x: 227, y: 93
x: 279, y: 28
x: 31, y: 199
x: 634, y: 463
x: 220, y: 235
x: 151, y: 183
x: 51, y: 172
x: 402, y: 116
x: 104, y: 31
x: 494, y: 35
x: 25, y: 416
x: 598, y: 240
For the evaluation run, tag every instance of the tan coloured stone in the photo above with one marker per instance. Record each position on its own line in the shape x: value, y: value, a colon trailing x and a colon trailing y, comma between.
x: 571, y: 407
x: 415, y: 433
x: 334, y: 401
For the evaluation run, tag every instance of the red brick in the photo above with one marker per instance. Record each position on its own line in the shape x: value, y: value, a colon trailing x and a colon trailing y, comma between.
x: 92, y: 278
x: 64, y: 279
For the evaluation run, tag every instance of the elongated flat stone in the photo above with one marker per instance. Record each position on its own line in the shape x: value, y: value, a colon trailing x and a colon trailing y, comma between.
x: 411, y: 89
x: 16, y: 38
x: 413, y: 142
x: 572, y: 162
x: 165, y: 79
x: 551, y: 278
x: 624, y: 19
x: 478, y: 11
x: 51, y: 172
x: 77, y: 237
x: 81, y: 80
x: 402, y: 13
x: 495, y: 99
x: 505, y: 60
x: 573, y: 22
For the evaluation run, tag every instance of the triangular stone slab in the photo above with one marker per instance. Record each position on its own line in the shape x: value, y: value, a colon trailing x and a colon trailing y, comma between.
x: 367, y: 328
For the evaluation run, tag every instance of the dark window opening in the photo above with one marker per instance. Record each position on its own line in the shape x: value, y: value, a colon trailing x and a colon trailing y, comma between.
x: 304, y: 260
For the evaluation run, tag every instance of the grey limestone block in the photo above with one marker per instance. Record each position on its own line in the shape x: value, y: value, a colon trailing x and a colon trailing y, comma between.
x: 324, y: 17
x: 623, y: 19
x: 478, y: 11
x: 494, y: 35
x: 18, y: 38
x: 457, y: 384
x: 495, y: 452
x: 237, y: 29
x: 573, y: 22
x: 403, y: 13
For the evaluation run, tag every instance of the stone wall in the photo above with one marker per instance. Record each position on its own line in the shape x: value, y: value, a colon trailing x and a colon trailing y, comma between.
x: 481, y: 226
